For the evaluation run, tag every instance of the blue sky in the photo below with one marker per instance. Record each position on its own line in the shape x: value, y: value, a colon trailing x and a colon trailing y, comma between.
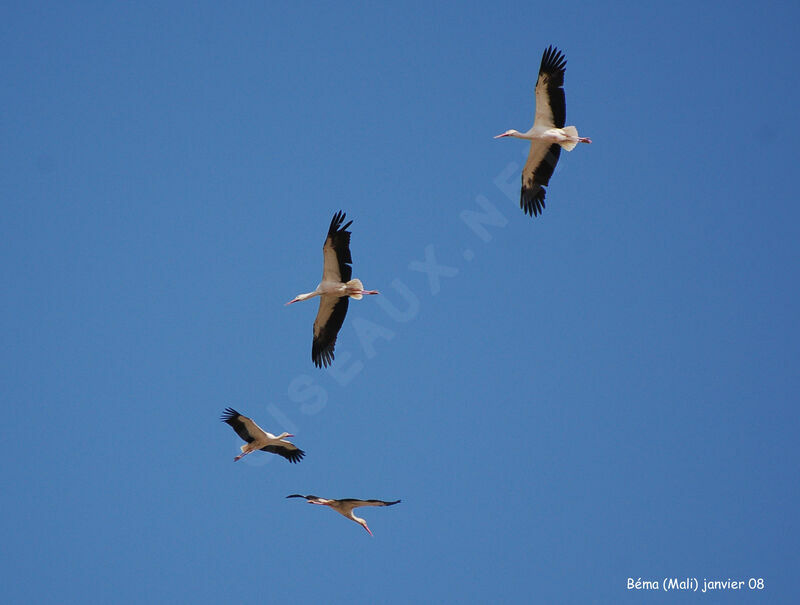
x: 603, y: 392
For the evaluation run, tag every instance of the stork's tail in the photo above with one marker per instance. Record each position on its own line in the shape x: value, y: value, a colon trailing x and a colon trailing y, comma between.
x: 356, y: 285
x: 572, y: 141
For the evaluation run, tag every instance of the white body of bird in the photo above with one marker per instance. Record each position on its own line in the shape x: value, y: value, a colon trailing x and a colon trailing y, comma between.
x: 566, y: 137
x: 353, y: 288
x: 265, y: 440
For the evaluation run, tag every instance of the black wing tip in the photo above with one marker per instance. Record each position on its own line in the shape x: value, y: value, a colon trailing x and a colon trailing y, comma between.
x: 292, y: 455
x: 532, y: 200
x: 336, y: 223
x: 553, y: 61
x: 295, y: 456
x: 392, y: 503
x: 229, y: 414
x: 322, y: 358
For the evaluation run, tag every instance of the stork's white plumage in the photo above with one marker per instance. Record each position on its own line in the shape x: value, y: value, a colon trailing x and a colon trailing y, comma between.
x: 335, y: 290
x: 548, y: 133
x: 258, y: 439
x: 345, y: 507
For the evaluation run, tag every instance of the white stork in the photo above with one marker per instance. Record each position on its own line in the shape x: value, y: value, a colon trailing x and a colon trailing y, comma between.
x: 345, y: 507
x: 258, y: 439
x: 548, y: 133
x: 335, y: 290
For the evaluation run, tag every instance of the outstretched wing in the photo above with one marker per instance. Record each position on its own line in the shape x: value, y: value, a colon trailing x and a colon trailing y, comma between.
x: 310, y: 498
x: 289, y: 451
x: 244, y: 426
x: 330, y: 317
x: 536, y: 174
x: 551, y: 104
x: 336, y: 251
x: 351, y: 503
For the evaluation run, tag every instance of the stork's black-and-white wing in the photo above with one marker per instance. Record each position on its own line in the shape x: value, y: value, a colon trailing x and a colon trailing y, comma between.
x: 248, y: 430
x: 289, y: 451
x: 310, y: 498
x: 350, y: 503
x: 330, y: 317
x: 336, y: 251
x: 551, y: 104
x: 539, y: 167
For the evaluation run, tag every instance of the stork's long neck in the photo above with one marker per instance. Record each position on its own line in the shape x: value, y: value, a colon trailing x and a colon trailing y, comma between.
x: 305, y: 296
x: 361, y: 522
x: 528, y: 136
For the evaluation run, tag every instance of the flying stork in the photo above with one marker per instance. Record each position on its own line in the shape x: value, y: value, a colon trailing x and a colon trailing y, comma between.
x: 334, y: 291
x: 258, y: 439
x: 548, y: 133
x: 345, y: 507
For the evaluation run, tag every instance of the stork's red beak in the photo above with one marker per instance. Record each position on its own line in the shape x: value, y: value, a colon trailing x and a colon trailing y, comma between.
x: 500, y: 136
x: 290, y: 435
x: 290, y: 302
x: 367, y: 528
